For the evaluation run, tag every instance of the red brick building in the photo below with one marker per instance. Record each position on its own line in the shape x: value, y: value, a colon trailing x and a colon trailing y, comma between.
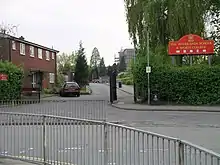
x: 38, y: 62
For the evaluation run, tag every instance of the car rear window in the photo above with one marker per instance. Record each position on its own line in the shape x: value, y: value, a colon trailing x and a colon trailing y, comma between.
x: 71, y: 85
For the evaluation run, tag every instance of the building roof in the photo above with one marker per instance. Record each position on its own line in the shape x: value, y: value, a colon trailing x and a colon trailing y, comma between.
x: 22, y: 40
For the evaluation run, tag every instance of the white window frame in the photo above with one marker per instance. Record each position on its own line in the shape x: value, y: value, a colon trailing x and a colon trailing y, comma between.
x: 51, y: 78
x: 22, y: 49
x: 53, y: 54
x: 40, y: 53
x: 47, y: 55
x: 13, y: 45
x: 34, y: 80
x: 31, y: 51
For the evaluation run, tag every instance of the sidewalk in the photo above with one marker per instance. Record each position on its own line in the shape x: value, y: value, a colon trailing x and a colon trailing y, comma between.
x: 127, y: 89
x: 140, y: 107
x: 127, y: 103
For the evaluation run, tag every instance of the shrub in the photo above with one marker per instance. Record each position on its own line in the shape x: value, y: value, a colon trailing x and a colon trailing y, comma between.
x: 128, y: 82
x: 125, y: 80
x: 193, y: 85
x: 11, y: 89
x: 53, y: 90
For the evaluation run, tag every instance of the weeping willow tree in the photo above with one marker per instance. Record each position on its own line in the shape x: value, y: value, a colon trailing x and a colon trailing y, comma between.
x: 166, y: 20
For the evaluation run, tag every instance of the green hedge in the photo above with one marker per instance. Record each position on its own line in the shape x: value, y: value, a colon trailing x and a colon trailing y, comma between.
x: 126, y: 80
x: 10, y: 89
x: 195, y: 85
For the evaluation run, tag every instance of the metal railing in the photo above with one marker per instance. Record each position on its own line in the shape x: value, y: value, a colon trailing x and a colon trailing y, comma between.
x: 85, y: 109
x: 61, y: 140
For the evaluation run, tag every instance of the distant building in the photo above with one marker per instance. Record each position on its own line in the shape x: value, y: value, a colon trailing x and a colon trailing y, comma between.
x: 38, y: 62
x: 128, y: 55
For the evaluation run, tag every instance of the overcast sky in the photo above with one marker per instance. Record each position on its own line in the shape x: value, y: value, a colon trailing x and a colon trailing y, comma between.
x: 62, y: 24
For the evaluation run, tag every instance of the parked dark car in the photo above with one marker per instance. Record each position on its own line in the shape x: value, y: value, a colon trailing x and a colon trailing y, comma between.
x: 70, y: 88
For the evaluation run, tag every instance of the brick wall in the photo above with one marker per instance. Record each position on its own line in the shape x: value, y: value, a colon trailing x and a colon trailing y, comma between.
x: 33, y: 63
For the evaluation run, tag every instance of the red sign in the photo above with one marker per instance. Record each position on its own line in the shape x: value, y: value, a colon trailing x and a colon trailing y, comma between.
x: 3, y: 77
x: 191, y: 45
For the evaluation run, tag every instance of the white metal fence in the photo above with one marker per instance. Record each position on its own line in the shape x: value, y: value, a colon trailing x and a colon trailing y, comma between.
x: 61, y: 140
x: 85, y: 109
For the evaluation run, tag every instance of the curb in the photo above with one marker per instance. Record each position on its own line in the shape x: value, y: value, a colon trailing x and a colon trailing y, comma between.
x: 165, y: 110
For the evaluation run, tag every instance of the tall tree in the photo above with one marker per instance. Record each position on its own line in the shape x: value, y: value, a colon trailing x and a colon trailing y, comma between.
x: 81, y: 67
x: 102, y: 68
x: 122, y: 64
x: 166, y: 20
x: 66, y: 63
x: 8, y: 29
x: 94, y: 61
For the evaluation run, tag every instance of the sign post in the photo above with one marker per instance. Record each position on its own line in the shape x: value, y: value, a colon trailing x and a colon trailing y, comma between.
x: 191, y: 45
x: 149, y: 69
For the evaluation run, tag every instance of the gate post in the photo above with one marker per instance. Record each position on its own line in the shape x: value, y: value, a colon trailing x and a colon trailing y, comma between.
x: 110, y: 83
x: 44, y: 141
x: 105, y: 144
x: 181, y: 153
x: 114, y: 86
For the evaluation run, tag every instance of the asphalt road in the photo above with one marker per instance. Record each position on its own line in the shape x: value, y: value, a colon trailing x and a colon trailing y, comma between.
x: 199, y: 128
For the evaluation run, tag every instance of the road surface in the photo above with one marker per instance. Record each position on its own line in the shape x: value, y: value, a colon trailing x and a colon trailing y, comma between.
x: 199, y: 128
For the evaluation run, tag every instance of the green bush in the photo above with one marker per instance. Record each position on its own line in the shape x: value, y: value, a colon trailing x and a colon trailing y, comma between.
x: 54, y: 90
x: 11, y: 89
x: 195, y: 85
x: 128, y: 82
x: 47, y: 91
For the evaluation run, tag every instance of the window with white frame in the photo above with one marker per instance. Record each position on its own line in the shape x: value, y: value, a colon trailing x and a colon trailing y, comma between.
x: 51, y: 78
x: 31, y: 51
x: 53, y: 55
x: 13, y: 45
x: 47, y: 56
x: 22, y: 49
x: 40, y: 56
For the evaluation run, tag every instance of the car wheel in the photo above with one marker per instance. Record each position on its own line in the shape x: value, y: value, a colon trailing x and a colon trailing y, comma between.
x: 78, y: 95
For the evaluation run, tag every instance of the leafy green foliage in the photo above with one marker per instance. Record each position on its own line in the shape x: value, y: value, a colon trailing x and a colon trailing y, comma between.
x: 102, y: 68
x: 95, y: 62
x: 66, y: 63
x: 169, y: 20
x: 81, y: 67
x: 11, y: 89
x: 95, y: 58
x: 194, y: 85
x: 126, y: 78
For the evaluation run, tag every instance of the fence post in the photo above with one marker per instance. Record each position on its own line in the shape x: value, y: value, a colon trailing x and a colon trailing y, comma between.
x: 105, y: 144
x: 44, y: 140
x: 181, y: 153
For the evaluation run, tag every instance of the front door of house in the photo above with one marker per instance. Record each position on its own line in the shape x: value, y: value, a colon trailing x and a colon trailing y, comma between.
x: 34, y: 80
x: 37, y: 80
